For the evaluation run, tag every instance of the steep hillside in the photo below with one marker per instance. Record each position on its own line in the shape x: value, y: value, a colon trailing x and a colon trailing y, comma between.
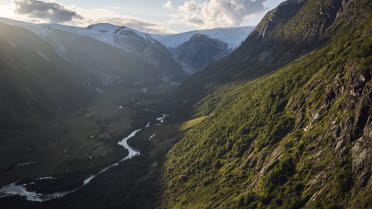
x: 298, y: 137
x: 198, y: 52
x: 36, y: 84
x: 293, y: 29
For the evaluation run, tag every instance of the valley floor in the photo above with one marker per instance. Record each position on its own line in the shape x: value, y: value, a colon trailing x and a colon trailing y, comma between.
x: 84, y: 143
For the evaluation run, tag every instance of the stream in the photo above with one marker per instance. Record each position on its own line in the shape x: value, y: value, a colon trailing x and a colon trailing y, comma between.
x: 21, y: 190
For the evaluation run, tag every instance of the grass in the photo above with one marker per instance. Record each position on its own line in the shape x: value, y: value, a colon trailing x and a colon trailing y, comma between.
x: 191, y: 123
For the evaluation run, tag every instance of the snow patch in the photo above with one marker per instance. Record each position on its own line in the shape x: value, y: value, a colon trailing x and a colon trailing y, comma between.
x: 233, y: 37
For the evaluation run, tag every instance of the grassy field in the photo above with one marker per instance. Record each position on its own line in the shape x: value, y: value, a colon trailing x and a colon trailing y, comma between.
x: 191, y: 123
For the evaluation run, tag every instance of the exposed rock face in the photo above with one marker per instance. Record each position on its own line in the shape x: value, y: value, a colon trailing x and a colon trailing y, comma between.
x: 318, y: 17
x: 362, y: 165
x: 198, y: 52
x: 291, y: 30
x: 361, y: 151
x: 276, y: 18
x: 344, y: 116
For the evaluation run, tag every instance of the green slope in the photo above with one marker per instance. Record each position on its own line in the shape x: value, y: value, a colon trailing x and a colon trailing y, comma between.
x: 299, y: 137
x: 288, y: 32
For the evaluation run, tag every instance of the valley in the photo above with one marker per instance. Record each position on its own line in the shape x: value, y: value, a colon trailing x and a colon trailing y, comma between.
x: 95, y: 131
x: 108, y: 117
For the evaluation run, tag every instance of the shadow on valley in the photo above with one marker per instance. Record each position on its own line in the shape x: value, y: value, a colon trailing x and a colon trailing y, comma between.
x: 134, y: 183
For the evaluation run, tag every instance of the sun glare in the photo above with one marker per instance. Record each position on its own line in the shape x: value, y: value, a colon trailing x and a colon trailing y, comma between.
x: 6, y: 11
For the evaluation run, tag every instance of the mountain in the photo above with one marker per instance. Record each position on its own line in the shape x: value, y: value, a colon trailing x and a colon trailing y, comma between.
x: 198, y: 52
x: 195, y: 50
x: 123, y: 42
x: 281, y: 37
x: 108, y: 65
x: 130, y: 40
x: 161, y: 51
x: 152, y: 50
x: 285, y: 120
x: 37, y: 85
x: 233, y: 37
x: 157, y: 49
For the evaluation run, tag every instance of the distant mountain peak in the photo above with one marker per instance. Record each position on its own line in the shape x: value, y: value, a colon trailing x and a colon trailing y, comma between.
x: 232, y: 36
x: 170, y: 53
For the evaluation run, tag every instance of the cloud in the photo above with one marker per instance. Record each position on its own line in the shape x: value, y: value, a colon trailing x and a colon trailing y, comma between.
x: 53, y: 12
x: 45, y: 12
x: 219, y: 13
x: 137, y: 24
x: 94, y: 16
x: 168, y: 5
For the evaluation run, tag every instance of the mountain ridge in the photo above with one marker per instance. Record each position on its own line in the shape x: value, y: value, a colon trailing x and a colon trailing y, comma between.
x: 155, y: 48
x: 36, y: 92
x: 233, y: 41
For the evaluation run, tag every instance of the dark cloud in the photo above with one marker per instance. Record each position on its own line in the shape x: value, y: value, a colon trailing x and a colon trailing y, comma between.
x: 52, y: 12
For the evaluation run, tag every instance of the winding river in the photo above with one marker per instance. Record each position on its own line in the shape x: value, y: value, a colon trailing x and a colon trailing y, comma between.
x: 21, y: 190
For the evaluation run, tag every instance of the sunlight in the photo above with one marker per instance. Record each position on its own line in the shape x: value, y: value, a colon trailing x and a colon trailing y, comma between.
x: 7, y: 11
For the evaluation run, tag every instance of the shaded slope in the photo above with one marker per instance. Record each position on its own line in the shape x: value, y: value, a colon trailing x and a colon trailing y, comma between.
x: 151, y: 50
x: 108, y: 65
x: 198, y: 52
x: 36, y: 84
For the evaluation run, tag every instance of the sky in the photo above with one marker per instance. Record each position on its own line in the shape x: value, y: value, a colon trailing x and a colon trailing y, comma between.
x: 153, y: 16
